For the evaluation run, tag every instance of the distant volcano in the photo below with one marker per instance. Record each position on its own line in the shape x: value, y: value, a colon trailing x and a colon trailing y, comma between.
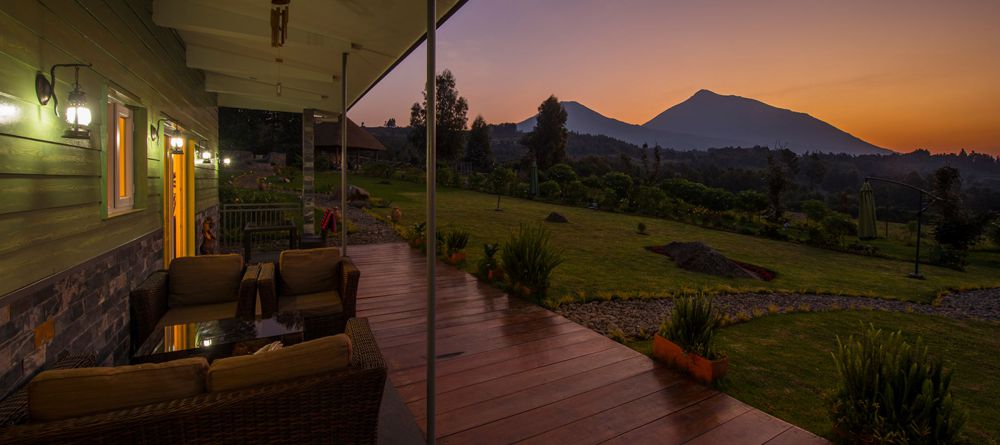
x: 709, y: 120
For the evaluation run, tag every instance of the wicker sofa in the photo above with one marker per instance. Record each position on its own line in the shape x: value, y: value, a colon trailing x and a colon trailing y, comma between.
x: 317, y: 283
x: 334, y: 407
x: 202, y: 288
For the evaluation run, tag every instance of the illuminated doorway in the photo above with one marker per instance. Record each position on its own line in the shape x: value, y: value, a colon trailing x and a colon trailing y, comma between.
x: 178, y: 202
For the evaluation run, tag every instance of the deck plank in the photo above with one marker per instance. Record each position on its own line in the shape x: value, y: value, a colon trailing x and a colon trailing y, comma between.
x: 510, y: 371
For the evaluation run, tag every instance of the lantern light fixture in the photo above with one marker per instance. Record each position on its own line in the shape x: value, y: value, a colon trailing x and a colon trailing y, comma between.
x: 77, y: 113
x: 176, y: 143
x: 226, y: 161
x: 206, y: 154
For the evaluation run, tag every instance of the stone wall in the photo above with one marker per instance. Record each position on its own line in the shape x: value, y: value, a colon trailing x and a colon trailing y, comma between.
x: 81, y: 310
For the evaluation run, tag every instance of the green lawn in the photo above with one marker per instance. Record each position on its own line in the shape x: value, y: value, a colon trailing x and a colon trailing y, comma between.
x: 781, y: 364
x: 605, y: 256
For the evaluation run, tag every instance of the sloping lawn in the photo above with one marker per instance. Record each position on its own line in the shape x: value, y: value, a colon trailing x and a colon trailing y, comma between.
x: 604, y: 254
x: 781, y: 364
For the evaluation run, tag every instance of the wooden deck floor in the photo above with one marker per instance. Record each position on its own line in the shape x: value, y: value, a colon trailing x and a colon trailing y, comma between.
x: 512, y: 372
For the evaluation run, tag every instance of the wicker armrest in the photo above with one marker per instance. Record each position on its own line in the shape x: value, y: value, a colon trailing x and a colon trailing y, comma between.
x: 147, y: 305
x: 364, y: 350
x: 246, y: 306
x: 267, y: 288
x: 349, y: 277
x: 14, y: 409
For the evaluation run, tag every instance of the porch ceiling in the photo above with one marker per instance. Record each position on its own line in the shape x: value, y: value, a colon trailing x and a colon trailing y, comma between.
x: 230, y: 40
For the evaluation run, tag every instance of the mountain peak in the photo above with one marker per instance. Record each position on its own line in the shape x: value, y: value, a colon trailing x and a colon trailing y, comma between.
x: 705, y: 93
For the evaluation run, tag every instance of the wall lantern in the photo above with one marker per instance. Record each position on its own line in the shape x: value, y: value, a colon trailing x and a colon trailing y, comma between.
x: 206, y: 154
x: 226, y: 161
x: 77, y: 113
x: 176, y: 143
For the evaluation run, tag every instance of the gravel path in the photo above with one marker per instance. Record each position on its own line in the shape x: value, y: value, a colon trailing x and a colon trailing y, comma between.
x: 642, y: 318
x: 369, y: 229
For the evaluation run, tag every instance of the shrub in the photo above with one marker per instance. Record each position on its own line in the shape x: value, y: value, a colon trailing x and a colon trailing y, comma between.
x: 649, y: 199
x: 641, y: 228
x: 993, y: 232
x: 528, y: 260
x: 574, y: 192
x: 561, y: 173
x: 692, y: 325
x: 814, y: 209
x: 951, y: 258
x: 455, y: 241
x: 378, y: 169
x: 550, y: 189
x: 892, y: 392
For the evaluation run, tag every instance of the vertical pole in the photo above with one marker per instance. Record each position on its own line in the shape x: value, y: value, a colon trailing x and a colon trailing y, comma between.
x: 343, y: 153
x: 431, y: 232
x: 920, y: 215
x: 308, y: 171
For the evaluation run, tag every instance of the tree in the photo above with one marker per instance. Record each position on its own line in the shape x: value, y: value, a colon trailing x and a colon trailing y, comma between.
x: 477, y: 151
x: 620, y: 183
x: 751, y: 201
x: 955, y: 226
x: 656, y: 162
x: 561, y: 173
x: 391, y: 123
x: 452, y: 115
x: 815, y: 210
x: 645, y: 161
x: 547, y: 141
x: 499, y: 181
x: 777, y: 179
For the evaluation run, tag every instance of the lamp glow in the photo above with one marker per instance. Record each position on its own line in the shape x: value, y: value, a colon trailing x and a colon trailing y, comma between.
x: 206, y: 155
x: 226, y: 161
x: 176, y: 141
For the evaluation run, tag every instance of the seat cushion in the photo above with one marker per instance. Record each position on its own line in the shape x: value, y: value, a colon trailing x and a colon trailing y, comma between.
x: 66, y: 393
x: 205, y: 279
x: 302, y: 360
x: 325, y: 302
x: 308, y: 271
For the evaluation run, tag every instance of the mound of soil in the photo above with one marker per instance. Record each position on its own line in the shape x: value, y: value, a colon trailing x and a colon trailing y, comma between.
x: 556, y: 218
x: 699, y: 257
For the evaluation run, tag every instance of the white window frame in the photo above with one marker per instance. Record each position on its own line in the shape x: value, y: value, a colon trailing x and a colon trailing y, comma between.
x: 118, y: 163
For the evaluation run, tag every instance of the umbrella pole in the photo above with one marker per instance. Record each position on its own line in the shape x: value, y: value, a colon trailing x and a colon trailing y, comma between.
x: 920, y: 216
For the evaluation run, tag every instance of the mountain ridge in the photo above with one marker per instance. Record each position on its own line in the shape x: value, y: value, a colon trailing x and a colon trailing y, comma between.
x: 710, y: 120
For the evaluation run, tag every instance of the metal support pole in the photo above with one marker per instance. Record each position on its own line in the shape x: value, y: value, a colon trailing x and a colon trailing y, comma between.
x: 431, y: 232
x: 920, y: 216
x: 343, y: 154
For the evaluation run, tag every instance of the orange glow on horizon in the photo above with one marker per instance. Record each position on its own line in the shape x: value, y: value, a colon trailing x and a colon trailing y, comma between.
x: 901, y: 75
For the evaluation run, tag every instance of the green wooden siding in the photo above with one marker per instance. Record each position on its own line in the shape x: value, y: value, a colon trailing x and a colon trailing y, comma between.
x: 51, y: 188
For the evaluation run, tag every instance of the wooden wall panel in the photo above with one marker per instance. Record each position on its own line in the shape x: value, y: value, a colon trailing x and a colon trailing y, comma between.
x: 51, y: 188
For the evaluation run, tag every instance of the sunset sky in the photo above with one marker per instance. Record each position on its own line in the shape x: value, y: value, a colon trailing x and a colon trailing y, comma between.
x: 899, y: 74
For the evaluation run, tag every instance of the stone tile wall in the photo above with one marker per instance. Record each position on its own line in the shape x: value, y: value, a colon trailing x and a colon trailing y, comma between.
x: 81, y: 310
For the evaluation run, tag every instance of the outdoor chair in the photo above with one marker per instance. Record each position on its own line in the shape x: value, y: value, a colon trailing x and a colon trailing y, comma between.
x: 198, y: 288
x: 318, y: 283
x: 325, y: 391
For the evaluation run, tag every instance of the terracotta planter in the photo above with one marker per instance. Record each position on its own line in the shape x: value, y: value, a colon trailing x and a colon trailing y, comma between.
x: 702, y: 369
x: 495, y: 274
x: 705, y: 370
x: 456, y: 258
x: 668, y: 352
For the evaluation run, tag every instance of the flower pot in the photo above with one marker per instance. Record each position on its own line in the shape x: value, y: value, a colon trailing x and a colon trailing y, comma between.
x: 705, y: 370
x: 668, y: 352
x: 495, y: 274
x: 456, y: 258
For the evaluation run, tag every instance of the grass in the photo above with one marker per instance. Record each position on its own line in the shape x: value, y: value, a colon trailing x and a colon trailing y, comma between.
x: 605, y: 255
x: 781, y: 364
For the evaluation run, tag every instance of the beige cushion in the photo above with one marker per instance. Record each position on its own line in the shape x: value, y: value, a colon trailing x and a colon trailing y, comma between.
x: 65, y: 393
x: 308, y: 271
x: 327, y: 302
x: 291, y: 362
x: 205, y: 279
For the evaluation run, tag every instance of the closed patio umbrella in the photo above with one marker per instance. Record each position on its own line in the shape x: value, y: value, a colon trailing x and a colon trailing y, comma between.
x: 866, y: 212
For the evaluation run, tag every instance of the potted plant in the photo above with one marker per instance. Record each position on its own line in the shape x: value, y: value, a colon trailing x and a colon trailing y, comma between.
x: 686, y: 340
x: 416, y: 236
x: 528, y: 260
x: 489, y: 269
x: 455, y: 242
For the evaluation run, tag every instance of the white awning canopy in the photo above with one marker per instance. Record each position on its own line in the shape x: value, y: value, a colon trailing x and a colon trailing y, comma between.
x: 230, y: 40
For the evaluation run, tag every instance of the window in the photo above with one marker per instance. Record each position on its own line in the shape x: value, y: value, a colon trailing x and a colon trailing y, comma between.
x: 121, y: 185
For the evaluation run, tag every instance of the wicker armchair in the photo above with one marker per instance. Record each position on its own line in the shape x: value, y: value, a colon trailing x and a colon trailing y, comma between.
x: 149, y: 303
x: 319, y: 320
x: 336, y: 407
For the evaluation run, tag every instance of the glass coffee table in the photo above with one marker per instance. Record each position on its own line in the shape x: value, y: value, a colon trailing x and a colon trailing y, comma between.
x: 219, y: 338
